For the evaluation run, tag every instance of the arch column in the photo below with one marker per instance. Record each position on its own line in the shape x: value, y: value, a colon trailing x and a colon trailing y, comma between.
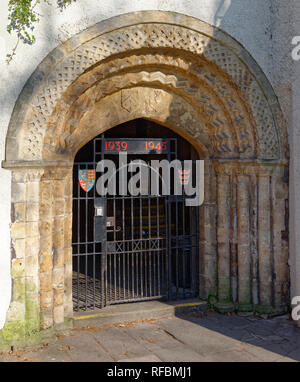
x: 243, y: 244
x: 251, y: 236
x: 265, y: 270
x: 208, y: 240
x: 55, y: 257
x: 23, y: 315
x: 224, y: 303
x: 41, y: 233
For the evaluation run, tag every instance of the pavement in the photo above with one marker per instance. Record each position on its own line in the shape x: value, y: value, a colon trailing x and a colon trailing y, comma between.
x: 189, y: 337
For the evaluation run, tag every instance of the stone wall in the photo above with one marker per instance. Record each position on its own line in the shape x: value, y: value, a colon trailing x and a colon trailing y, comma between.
x: 256, y: 27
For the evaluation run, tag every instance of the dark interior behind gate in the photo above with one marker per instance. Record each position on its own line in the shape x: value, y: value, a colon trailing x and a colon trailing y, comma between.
x: 133, y: 248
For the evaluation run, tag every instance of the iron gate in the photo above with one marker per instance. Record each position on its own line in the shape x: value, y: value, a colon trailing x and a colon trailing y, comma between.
x: 131, y: 248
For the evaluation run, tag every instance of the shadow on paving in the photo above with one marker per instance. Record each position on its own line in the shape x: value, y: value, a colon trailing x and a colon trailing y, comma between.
x: 278, y: 335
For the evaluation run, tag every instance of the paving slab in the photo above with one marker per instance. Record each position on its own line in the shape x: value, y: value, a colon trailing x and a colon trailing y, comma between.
x: 119, y: 344
x: 163, y: 345
x: 204, y: 341
x: 146, y: 358
x: 50, y: 353
x: 203, y: 337
x: 233, y: 356
x: 262, y: 354
x: 216, y: 325
x: 84, y: 348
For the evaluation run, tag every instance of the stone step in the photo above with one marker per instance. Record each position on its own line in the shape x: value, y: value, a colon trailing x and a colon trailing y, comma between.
x: 137, y: 311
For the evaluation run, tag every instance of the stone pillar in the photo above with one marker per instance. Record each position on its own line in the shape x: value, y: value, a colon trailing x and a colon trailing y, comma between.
x: 256, y: 233
x: 58, y: 218
x: 32, y: 322
x: 208, y: 248
x: 41, y: 234
x: 280, y: 239
x: 234, y: 239
x: 243, y: 244
x: 264, y: 244
x: 56, y: 260
x: 224, y: 303
x: 68, y: 265
x: 23, y: 319
x: 46, y: 252
x: 253, y: 239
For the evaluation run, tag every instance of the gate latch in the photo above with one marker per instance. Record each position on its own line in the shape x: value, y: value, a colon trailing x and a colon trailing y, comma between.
x: 110, y: 221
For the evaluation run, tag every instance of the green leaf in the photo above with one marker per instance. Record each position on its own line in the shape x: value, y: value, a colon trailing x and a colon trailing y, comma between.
x: 23, y: 16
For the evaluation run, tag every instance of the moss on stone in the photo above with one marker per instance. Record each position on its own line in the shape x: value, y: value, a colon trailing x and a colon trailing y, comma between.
x: 22, y: 322
x: 212, y: 300
x: 264, y: 309
x: 18, y: 289
x: 13, y: 332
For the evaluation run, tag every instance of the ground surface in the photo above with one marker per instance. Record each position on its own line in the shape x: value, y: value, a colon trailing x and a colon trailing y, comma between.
x: 192, y: 337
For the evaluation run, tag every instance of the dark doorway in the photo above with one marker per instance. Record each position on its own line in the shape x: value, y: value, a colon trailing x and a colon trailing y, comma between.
x: 132, y: 248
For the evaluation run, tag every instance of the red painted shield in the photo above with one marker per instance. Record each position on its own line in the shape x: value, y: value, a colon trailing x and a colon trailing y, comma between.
x: 184, y: 176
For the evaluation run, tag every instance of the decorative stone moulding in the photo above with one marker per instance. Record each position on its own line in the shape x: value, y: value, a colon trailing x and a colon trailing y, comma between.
x: 186, y: 75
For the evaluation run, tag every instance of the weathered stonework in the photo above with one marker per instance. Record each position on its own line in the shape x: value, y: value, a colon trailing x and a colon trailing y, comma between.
x: 145, y: 31
x: 253, y: 246
x: 185, y: 75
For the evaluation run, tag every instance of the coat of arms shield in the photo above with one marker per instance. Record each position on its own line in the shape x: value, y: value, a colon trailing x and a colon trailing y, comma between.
x: 87, y: 179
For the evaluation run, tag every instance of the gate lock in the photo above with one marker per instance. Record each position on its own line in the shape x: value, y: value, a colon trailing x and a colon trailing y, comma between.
x: 99, y: 211
x: 110, y: 223
x: 100, y: 219
x: 102, y: 222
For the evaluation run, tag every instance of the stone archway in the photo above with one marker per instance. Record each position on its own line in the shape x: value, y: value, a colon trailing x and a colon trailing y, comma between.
x: 190, y: 77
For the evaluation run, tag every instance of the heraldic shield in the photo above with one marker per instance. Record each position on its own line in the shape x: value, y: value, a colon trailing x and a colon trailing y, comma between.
x: 87, y: 179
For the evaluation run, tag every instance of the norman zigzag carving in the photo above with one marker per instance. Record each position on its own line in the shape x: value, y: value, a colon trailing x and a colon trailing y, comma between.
x: 149, y: 36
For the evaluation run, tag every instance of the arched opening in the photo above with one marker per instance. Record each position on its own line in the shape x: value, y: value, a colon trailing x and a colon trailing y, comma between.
x: 197, y: 81
x: 137, y: 244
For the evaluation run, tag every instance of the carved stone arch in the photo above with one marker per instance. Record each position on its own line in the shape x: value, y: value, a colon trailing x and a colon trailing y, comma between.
x: 190, y: 77
x: 145, y: 31
x: 227, y: 120
x: 150, y: 103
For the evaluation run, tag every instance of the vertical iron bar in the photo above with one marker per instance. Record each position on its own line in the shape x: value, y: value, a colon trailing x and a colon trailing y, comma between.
x: 137, y: 257
x: 127, y: 246
x: 132, y: 252
x: 141, y: 246
x: 192, y: 252
x: 150, y: 252
x: 169, y: 254
x: 78, y: 240
x: 177, y: 248
x: 104, y: 260
x: 94, y: 278
x: 124, y: 256
x: 184, y: 254
x: 197, y: 254
x: 78, y: 264
x: 115, y: 255
x: 158, y: 254
x: 86, y: 249
x: 92, y: 234
x: 119, y: 260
